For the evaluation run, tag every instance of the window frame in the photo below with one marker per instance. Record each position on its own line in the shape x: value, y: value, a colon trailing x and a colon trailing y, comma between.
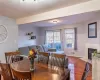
x: 53, y: 37
x: 73, y: 39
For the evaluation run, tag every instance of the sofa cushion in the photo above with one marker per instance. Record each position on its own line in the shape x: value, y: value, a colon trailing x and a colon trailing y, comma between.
x: 45, y: 48
x: 40, y: 48
x: 52, y: 49
x: 24, y: 50
x: 32, y: 47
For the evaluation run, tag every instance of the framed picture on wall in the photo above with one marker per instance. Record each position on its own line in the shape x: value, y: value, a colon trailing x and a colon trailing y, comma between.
x: 92, y: 30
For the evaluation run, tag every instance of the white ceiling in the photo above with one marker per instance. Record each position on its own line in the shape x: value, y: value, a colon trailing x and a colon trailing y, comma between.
x: 66, y: 20
x: 16, y: 9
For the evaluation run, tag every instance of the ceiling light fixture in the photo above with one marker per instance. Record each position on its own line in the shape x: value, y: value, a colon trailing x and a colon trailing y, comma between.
x: 31, y: 1
x: 25, y: 0
x: 55, y: 21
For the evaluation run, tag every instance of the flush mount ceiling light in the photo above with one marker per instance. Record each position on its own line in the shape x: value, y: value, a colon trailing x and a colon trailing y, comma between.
x: 55, y: 21
x: 27, y: 0
x: 31, y: 0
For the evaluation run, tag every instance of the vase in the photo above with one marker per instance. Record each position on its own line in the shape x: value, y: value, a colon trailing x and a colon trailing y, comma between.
x: 32, y: 64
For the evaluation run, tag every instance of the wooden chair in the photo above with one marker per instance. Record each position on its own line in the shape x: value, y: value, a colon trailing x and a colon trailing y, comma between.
x: 86, y: 71
x: 13, y: 57
x: 87, y: 67
x: 59, y: 60
x: 21, y: 75
x: 43, y: 57
x: 6, y: 71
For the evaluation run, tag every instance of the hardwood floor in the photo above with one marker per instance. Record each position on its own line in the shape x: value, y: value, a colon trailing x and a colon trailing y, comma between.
x: 77, y: 66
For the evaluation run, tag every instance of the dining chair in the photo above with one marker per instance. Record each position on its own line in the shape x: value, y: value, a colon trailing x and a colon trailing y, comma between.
x: 86, y: 71
x: 6, y: 71
x: 87, y: 67
x: 43, y: 57
x: 13, y: 57
x: 59, y: 60
x: 21, y: 75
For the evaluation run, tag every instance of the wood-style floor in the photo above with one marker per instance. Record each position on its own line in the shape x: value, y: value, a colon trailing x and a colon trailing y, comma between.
x: 77, y: 66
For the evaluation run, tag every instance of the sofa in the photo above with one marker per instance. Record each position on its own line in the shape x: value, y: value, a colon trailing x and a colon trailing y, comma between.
x: 25, y: 50
x: 40, y: 48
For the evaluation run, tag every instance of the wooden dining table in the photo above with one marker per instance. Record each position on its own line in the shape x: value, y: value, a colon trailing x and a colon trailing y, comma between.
x: 42, y: 71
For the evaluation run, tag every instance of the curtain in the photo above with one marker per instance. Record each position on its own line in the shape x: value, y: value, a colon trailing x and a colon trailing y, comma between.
x: 75, y: 43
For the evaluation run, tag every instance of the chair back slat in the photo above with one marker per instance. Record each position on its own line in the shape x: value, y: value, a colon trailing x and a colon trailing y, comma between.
x: 43, y: 57
x: 6, y: 71
x: 11, y: 53
x: 86, y: 71
x: 87, y: 67
x: 21, y: 75
x: 59, y: 55
x: 58, y: 60
x: 12, y: 57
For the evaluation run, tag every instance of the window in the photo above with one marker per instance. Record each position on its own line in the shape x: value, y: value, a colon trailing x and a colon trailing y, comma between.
x: 49, y: 37
x: 69, y: 38
x: 53, y: 39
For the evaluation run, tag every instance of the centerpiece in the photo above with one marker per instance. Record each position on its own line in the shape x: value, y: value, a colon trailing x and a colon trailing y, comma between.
x: 32, y: 56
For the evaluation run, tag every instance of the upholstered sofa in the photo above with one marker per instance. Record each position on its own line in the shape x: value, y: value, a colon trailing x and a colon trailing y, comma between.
x: 40, y: 48
x: 25, y: 50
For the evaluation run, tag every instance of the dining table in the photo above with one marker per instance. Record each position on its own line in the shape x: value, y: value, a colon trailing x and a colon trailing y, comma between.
x: 41, y: 71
